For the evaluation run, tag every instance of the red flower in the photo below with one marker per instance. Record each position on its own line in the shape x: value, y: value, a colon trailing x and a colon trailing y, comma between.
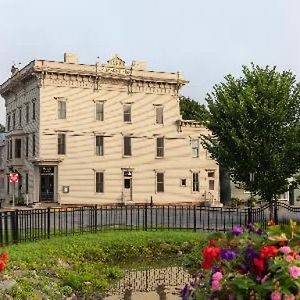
x: 210, y: 253
x: 4, y: 256
x: 259, y: 264
x: 2, y: 265
x: 268, y: 251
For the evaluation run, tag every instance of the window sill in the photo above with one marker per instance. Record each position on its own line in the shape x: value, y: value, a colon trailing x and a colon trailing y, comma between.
x: 127, y: 122
x: 126, y: 156
x: 159, y: 157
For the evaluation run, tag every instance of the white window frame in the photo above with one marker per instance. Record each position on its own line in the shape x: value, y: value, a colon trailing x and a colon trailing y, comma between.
x: 198, y: 176
x: 130, y: 139
x: 127, y: 115
x: 101, y: 191
x: 156, y: 107
x: 195, y: 154
x: 101, y: 112
x: 100, y: 146
x: 61, y: 109
x: 157, y: 182
x: 160, y: 148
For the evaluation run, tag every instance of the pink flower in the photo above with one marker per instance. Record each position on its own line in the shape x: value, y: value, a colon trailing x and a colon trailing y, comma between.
x: 290, y: 297
x: 217, y: 276
x: 294, y: 271
x: 297, y: 257
x: 289, y: 258
x: 285, y: 249
x: 276, y: 296
x: 216, y: 286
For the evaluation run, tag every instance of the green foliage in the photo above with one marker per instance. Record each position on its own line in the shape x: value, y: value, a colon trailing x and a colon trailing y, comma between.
x: 236, y: 202
x: 191, y: 109
x: 88, y: 264
x: 255, y: 126
x: 19, y: 200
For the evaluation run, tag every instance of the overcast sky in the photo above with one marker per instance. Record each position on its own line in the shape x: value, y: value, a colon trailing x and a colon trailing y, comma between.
x: 205, y: 40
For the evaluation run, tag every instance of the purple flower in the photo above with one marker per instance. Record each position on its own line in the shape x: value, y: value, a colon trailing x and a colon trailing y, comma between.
x: 228, y: 254
x: 250, y: 253
x: 216, y: 268
x: 185, y: 292
x: 237, y: 230
x: 244, y: 268
x: 250, y: 227
x: 259, y: 231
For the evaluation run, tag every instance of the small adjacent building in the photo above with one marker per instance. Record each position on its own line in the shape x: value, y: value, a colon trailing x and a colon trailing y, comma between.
x: 81, y: 134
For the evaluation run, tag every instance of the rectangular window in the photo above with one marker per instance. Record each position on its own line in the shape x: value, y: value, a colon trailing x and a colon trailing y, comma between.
x: 62, y: 109
x: 8, y: 122
x: 10, y: 149
x: 26, y: 146
x: 20, y: 117
x: 18, y: 146
x: 61, y: 143
x: 195, y: 148
x: 211, y: 180
x: 7, y: 150
x: 7, y: 185
x: 27, y: 112
x: 160, y: 185
x: 183, y: 182
x: 127, y: 112
x: 100, y: 111
x: 26, y: 183
x: 127, y: 146
x: 99, y: 182
x: 33, y: 145
x: 14, y: 120
x: 195, y: 182
x: 99, y: 145
x: 160, y: 147
x: 33, y: 110
x: 159, y: 114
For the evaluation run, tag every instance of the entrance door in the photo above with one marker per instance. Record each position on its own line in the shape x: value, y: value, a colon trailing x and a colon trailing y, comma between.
x: 47, y: 184
x: 127, y: 186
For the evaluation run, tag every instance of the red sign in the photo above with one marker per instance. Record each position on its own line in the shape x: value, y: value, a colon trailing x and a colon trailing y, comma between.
x: 13, y: 177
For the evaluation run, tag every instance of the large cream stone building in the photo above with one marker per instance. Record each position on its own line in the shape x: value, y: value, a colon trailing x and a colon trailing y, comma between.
x: 102, y: 134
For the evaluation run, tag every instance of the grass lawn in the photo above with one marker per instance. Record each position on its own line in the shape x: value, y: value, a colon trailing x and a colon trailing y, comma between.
x: 87, y: 264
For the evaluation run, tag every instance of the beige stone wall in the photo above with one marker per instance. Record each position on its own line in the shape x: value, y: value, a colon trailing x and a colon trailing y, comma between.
x: 78, y: 166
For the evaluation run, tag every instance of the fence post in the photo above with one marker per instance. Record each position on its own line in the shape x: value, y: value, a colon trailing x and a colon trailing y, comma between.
x: 146, y: 215
x: 48, y: 222
x: 14, y: 226
x: 249, y: 213
x: 95, y: 217
x: 195, y: 223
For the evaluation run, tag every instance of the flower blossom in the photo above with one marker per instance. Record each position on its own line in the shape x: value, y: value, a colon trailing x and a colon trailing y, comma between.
x: 228, y: 254
x: 217, y: 276
x: 290, y: 297
x: 276, y: 296
x: 285, y: 249
x: 237, y: 230
x: 294, y: 271
x: 216, y: 286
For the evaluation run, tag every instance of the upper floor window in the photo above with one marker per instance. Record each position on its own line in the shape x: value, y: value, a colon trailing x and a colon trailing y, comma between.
x: 195, y: 182
x: 61, y: 143
x: 26, y: 146
x: 160, y: 141
x: 10, y: 149
x: 62, y: 109
x: 99, y: 145
x: 127, y: 146
x: 20, y: 116
x: 14, y: 120
x: 18, y: 146
x: 33, y: 145
x: 160, y: 182
x: 127, y: 112
x: 100, y: 111
x: 99, y: 182
x: 27, y: 112
x: 159, y: 111
x: 8, y: 122
x: 195, y: 148
x: 33, y: 110
x: 211, y: 180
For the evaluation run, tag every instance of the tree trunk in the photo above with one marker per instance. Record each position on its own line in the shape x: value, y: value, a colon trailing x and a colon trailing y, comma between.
x: 225, y: 189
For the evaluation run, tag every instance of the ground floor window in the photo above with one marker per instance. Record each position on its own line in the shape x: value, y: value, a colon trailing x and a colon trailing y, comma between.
x: 99, y: 182
x: 195, y: 182
x: 160, y: 182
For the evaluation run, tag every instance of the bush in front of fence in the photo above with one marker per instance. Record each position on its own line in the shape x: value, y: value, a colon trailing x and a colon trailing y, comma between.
x: 249, y: 264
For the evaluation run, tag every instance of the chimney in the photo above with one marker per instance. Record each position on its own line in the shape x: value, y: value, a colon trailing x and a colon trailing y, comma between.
x: 70, y: 58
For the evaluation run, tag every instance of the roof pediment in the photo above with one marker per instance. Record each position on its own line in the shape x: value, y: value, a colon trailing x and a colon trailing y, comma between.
x: 116, y: 61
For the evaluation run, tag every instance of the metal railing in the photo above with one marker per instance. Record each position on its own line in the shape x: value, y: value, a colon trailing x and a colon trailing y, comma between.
x: 34, y: 224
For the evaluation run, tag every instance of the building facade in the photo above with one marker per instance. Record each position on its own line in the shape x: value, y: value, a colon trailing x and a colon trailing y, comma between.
x: 100, y: 134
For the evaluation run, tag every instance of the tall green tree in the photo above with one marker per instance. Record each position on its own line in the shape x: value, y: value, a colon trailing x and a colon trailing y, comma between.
x: 255, y: 128
x: 191, y: 109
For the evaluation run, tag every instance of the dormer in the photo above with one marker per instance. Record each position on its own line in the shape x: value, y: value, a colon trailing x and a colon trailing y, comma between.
x: 116, y: 61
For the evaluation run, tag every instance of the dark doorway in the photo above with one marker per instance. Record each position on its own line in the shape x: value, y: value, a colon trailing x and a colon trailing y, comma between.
x: 47, y: 184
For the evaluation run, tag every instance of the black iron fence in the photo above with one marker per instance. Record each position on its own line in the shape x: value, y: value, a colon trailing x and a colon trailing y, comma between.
x: 34, y: 224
